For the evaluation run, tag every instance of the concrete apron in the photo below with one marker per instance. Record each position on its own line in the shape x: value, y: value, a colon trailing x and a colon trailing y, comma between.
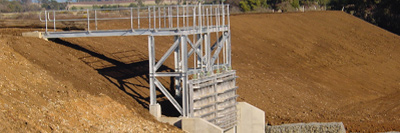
x: 250, y: 120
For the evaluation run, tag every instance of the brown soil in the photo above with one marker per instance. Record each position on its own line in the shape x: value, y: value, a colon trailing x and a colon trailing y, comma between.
x: 318, y: 66
x: 47, y: 87
x: 297, y: 67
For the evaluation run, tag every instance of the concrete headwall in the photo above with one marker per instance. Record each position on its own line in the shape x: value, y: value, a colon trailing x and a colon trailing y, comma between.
x: 250, y: 119
x: 331, y: 127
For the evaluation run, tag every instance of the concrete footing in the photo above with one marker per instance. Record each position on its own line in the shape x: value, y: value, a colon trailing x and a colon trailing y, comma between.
x: 250, y: 119
x: 32, y: 34
x: 331, y: 127
x: 155, y: 110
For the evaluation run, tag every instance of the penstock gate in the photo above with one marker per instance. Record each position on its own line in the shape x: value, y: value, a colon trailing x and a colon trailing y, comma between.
x: 205, y: 89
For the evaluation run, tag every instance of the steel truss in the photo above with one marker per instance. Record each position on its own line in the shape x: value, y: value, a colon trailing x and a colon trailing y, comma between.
x: 206, y: 64
x: 204, y: 89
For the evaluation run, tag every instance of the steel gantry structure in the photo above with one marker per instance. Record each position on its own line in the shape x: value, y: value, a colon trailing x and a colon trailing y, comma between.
x: 206, y: 87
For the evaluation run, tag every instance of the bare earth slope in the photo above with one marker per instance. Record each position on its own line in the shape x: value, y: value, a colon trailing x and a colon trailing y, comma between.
x: 45, y: 88
x: 297, y: 67
x: 318, y: 66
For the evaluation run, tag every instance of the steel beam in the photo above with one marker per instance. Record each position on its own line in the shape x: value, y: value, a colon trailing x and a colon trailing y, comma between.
x: 135, y: 32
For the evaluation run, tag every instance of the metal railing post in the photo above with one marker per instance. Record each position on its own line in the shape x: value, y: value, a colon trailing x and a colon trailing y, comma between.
x: 165, y: 17
x: 95, y: 19
x: 223, y: 15
x: 148, y: 9
x: 54, y: 19
x: 177, y: 16
x: 183, y: 17
x: 131, y: 19
x: 159, y: 18
x: 154, y: 18
x: 88, y: 20
x: 138, y: 16
x: 45, y: 17
x: 208, y: 20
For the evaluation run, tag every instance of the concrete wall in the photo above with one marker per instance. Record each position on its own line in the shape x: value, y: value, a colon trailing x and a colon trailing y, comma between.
x: 250, y: 119
x: 332, y: 127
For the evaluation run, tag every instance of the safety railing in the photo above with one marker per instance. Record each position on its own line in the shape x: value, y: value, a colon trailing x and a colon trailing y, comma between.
x: 154, y: 18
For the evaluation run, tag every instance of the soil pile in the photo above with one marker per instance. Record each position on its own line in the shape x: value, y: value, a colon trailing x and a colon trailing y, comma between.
x: 318, y: 66
x: 44, y: 87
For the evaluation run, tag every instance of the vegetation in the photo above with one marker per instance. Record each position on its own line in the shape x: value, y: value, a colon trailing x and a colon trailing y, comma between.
x: 53, y: 4
x: 26, y: 5
x: 384, y: 13
x: 17, y: 6
x: 251, y: 5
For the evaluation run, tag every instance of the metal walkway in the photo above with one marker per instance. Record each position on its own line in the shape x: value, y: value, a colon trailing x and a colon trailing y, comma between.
x: 206, y: 87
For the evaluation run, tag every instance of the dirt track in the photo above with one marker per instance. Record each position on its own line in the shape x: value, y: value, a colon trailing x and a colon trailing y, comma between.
x: 297, y: 67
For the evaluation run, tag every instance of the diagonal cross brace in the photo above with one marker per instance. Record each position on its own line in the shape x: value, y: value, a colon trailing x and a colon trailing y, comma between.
x: 169, y: 96
x: 166, y: 55
x: 216, y: 53
x: 195, y: 46
x: 218, y: 42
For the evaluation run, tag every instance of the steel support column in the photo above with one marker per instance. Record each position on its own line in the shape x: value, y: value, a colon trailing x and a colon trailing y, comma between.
x: 177, y: 59
x: 184, y: 75
x: 153, y: 97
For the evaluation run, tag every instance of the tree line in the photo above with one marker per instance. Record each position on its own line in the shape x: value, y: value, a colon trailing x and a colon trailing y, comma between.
x: 7, y: 6
x: 384, y: 13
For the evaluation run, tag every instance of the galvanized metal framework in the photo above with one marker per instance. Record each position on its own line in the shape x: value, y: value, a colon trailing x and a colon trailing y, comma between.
x: 206, y: 88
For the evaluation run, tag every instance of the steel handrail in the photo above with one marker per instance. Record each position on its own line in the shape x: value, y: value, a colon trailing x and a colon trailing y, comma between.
x: 209, y: 16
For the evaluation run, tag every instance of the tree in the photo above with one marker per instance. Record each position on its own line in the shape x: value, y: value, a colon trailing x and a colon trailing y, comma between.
x: 295, y: 4
x: 159, y: 1
x: 250, y: 5
x: 73, y: 8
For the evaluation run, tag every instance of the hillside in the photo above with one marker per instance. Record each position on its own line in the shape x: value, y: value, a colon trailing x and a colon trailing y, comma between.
x: 318, y: 66
x: 297, y: 67
x: 45, y: 88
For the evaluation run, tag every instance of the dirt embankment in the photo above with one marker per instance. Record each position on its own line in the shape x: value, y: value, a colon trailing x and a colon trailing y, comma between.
x: 297, y: 67
x: 318, y: 66
x: 45, y: 87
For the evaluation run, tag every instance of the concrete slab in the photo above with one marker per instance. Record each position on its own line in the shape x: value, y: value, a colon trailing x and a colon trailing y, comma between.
x: 199, y: 125
x: 32, y: 34
x: 331, y: 127
x: 250, y: 119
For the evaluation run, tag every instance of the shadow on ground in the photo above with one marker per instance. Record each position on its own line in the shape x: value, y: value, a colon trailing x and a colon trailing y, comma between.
x: 132, y: 78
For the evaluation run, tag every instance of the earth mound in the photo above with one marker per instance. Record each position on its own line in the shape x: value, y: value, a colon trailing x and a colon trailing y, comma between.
x: 297, y: 67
